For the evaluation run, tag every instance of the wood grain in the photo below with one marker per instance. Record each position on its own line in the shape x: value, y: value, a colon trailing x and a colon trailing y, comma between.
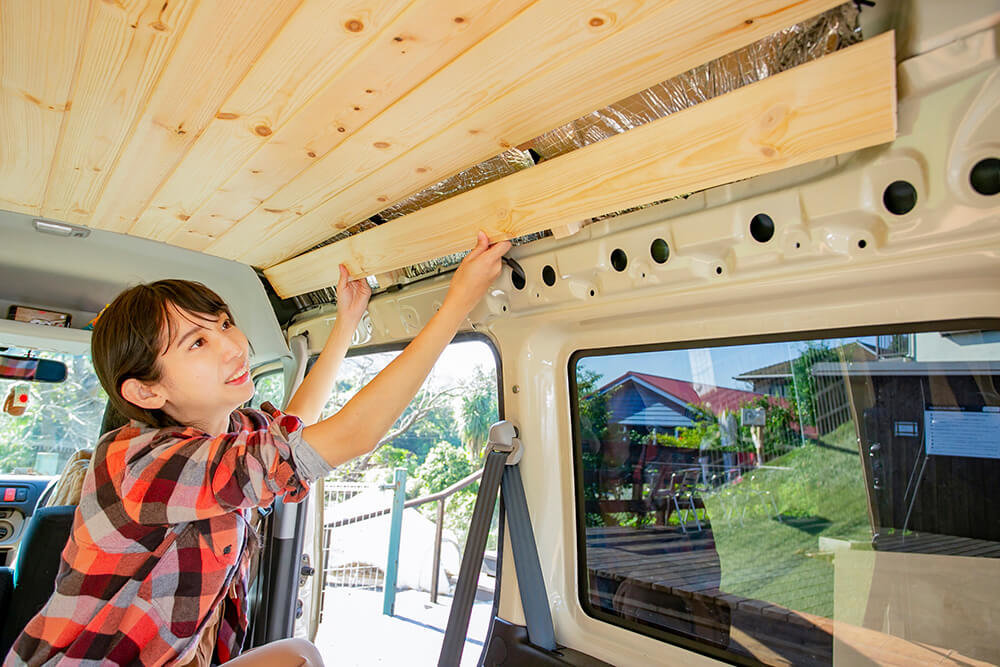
x: 552, y: 63
x: 40, y: 43
x: 839, y: 103
x: 126, y: 49
x: 398, y: 57
x: 220, y: 42
x: 316, y: 43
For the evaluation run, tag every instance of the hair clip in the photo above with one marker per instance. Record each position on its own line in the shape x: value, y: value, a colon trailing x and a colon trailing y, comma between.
x: 90, y: 326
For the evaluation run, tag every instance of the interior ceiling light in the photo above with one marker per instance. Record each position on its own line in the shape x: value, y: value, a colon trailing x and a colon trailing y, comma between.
x: 61, y: 229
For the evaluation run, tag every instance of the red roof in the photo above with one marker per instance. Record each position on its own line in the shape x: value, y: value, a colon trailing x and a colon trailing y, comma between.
x: 716, y: 399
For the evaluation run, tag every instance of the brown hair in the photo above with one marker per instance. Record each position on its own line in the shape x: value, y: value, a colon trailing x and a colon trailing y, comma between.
x: 134, y: 330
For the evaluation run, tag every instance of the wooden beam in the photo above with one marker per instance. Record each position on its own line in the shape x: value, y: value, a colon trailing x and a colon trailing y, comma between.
x: 553, y: 62
x: 397, y: 55
x: 214, y: 52
x: 126, y: 49
x: 839, y: 103
x: 40, y: 43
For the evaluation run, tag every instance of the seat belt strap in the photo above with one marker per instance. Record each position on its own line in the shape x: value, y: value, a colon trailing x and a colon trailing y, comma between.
x: 500, y: 468
x: 468, y: 573
x: 537, y: 615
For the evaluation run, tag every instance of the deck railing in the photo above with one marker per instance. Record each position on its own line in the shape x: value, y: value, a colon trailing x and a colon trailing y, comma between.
x: 399, y: 490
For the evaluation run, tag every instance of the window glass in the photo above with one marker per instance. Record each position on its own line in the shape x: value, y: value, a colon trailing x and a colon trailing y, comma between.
x: 269, y: 388
x: 801, y: 501
x: 439, y: 440
x: 60, y: 417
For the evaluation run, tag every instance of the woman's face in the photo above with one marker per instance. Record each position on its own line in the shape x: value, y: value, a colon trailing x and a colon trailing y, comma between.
x: 205, y: 371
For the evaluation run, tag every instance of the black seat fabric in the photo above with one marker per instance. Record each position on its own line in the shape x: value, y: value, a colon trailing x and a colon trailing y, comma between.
x: 37, y: 565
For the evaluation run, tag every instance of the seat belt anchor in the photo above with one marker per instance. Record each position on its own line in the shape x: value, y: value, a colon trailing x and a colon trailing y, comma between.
x: 503, y: 438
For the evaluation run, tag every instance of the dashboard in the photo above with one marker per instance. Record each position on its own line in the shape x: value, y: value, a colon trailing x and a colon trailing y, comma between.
x: 19, y: 496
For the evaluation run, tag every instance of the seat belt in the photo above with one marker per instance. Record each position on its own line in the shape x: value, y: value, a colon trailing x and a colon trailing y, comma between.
x: 501, y: 469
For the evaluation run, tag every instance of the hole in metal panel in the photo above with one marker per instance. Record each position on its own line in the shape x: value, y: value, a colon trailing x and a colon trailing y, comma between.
x: 548, y: 275
x: 900, y: 197
x: 659, y: 251
x: 762, y: 228
x: 985, y: 176
x: 619, y: 260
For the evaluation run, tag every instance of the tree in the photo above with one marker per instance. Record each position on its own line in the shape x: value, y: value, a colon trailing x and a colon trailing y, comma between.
x: 592, y: 409
x: 804, y: 383
x: 61, y: 418
x: 479, y: 410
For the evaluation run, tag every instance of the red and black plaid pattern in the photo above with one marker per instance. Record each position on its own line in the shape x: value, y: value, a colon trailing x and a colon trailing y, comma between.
x: 22, y: 368
x: 160, y: 539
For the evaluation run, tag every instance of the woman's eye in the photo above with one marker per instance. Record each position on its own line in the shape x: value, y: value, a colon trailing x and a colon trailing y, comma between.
x: 226, y: 324
x: 198, y: 343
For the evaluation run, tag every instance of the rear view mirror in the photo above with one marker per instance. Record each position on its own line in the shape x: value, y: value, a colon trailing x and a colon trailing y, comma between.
x: 30, y: 369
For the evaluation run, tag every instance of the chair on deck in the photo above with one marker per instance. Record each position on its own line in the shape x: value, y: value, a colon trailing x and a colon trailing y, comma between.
x: 681, y: 491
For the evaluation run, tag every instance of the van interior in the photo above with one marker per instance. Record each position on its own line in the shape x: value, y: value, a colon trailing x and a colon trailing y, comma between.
x: 744, y: 356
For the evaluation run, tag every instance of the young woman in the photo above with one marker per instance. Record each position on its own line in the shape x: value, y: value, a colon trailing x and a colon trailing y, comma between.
x: 156, y: 568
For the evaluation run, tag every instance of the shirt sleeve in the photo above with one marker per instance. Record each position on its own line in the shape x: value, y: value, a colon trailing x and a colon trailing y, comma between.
x: 173, y: 475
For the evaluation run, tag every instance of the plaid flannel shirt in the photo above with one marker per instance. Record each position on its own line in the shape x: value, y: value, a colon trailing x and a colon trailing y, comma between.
x: 161, y: 538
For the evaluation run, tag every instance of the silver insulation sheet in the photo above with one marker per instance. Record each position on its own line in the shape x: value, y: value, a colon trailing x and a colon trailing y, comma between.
x: 795, y: 45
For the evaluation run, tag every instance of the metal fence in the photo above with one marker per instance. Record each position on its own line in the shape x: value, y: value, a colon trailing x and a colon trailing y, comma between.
x: 349, y: 574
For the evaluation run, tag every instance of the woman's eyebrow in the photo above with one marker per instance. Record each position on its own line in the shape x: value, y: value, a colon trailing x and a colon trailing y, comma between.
x: 190, y: 332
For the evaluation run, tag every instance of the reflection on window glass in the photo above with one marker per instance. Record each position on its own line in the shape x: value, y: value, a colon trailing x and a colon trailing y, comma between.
x: 749, y: 496
x: 269, y: 388
x: 59, y: 417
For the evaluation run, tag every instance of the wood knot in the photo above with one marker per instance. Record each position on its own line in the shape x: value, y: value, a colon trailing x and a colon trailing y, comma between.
x: 381, y: 144
x: 422, y: 170
x: 768, y: 151
x: 397, y: 38
x: 357, y: 108
x: 225, y: 115
x: 596, y: 22
x: 354, y: 25
x: 341, y: 129
x: 369, y: 91
x: 274, y: 210
x: 255, y: 171
x: 382, y: 199
x: 459, y: 19
x: 748, y: 22
x: 262, y: 131
x: 183, y: 218
x: 311, y: 153
x: 159, y: 26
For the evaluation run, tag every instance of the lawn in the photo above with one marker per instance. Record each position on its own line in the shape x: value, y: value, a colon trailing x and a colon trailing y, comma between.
x: 821, y: 494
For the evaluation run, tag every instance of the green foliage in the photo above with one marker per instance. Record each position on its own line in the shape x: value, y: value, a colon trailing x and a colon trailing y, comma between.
x: 269, y: 388
x: 438, y: 425
x: 803, y: 380
x: 445, y: 464
x: 479, y: 409
x: 593, y: 408
x: 390, y: 458
x: 61, y: 417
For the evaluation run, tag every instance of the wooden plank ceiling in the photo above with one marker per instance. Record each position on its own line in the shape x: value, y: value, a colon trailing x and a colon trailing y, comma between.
x: 254, y: 130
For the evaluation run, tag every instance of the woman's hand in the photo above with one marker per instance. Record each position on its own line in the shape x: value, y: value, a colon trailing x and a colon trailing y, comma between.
x: 352, y: 298
x: 476, y: 273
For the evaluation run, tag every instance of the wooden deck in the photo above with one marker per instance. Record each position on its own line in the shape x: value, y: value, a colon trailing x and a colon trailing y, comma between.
x: 661, y: 577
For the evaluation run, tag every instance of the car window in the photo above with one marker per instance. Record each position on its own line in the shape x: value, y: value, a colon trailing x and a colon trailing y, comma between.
x: 790, y: 501
x: 60, y: 418
x: 269, y: 387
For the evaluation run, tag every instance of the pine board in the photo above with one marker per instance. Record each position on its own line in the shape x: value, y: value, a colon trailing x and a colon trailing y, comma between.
x: 842, y: 102
x: 551, y: 63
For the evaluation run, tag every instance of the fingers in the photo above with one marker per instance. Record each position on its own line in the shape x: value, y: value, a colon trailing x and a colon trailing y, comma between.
x: 499, y: 249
